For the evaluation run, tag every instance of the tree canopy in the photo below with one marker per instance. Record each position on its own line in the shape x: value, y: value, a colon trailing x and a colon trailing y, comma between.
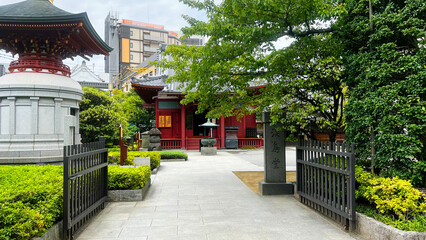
x: 304, y: 79
x: 100, y: 115
x: 385, y: 58
x: 354, y: 65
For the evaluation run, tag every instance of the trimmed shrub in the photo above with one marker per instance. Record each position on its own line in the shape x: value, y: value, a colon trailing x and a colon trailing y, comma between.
x: 114, y: 149
x: 249, y: 148
x: 392, y: 196
x: 114, y: 157
x: 127, y: 178
x: 173, y: 155
x: 417, y: 224
x: 30, y: 200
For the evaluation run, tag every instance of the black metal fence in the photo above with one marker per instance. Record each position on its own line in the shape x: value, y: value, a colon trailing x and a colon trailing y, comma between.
x: 85, y: 184
x: 326, y: 179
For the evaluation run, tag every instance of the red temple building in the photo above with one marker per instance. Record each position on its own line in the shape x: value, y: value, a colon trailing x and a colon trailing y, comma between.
x: 179, y: 124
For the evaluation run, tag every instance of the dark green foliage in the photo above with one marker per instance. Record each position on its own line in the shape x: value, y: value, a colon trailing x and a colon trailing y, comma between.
x: 136, y: 115
x: 100, y: 115
x: 173, y: 155
x: 30, y: 200
x: 385, y: 60
x: 304, y: 79
x: 127, y: 178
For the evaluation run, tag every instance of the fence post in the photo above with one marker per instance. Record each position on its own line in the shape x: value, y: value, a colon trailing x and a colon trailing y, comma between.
x: 352, y: 192
x: 299, y: 156
x: 66, y: 185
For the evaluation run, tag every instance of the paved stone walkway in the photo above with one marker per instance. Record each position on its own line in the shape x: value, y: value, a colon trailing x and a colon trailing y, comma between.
x: 202, y: 199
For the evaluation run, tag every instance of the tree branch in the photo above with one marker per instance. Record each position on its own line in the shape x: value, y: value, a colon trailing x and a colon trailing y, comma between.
x: 307, y: 33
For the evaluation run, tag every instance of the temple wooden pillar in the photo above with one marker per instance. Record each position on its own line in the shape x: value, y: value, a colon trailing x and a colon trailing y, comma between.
x: 182, y: 124
x: 222, y: 131
x: 156, y: 113
x: 244, y: 126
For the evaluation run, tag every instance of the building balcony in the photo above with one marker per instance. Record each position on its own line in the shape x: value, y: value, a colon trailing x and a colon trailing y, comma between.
x: 149, y: 49
x: 147, y: 37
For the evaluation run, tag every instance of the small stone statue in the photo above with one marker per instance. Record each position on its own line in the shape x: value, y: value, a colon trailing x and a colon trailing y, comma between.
x: 154, y: 140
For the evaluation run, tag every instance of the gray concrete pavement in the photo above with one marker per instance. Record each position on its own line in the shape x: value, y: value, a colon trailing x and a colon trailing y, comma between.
x: 256, y: 157
x: 202, y: 199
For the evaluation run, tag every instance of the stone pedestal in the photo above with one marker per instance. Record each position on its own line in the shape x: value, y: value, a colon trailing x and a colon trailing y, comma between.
x: 39, y: 114
x: 208, y: 151
x: 274, y: 155
x: 139, y: 161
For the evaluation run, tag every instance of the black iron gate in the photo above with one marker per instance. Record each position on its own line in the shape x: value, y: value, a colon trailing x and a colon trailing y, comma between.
x: 326, y: 179
x: 85, y: 184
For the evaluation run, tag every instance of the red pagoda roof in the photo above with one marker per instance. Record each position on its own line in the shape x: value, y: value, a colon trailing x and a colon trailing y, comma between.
x: 39, y: 26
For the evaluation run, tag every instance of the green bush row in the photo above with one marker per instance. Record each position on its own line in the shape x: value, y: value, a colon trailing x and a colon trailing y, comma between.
x: 417, y: 224
x: 114, y: 157
x: 392, y: 196
x: 31, y: 196
x: 127, y: 178
x: 173, y: 155
x: 30, y: 200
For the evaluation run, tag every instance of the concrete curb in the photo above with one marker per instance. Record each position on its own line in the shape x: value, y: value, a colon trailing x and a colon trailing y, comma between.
x: 174, y: 160
x: 128, y: 195
x: 155, y: 170
x: 53, y: 233
x: 371, y: 229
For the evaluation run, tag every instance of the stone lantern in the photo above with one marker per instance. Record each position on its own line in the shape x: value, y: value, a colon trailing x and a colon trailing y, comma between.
x: 208, y: 142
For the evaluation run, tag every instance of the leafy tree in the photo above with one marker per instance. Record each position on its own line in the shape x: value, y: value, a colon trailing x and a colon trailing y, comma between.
x: 304, y: 79
x: 100, y: 115
x: 385, y: 59
x: 94, y: 97
x: 135, y: 112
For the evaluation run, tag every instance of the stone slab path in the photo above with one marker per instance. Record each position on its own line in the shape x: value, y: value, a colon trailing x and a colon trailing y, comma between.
x: 202, y: 199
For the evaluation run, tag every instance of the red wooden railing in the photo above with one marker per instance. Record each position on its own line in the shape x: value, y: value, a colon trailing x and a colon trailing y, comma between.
x: 175, y: 143
x: 250, y: 142
x: 194, y: 143
x: 38, y: 62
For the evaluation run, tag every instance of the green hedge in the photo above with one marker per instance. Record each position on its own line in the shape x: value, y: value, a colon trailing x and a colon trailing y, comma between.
x: 30, y: 200
x: 31, y: 196
x: 127, y: 178
x: 114, y: 157
x: 392, y: 197
x: 173, y: 155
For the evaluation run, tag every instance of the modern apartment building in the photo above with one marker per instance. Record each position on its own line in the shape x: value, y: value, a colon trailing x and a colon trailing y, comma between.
x: 133, y: 42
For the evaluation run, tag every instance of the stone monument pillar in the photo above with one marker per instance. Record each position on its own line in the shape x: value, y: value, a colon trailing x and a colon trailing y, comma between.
x: 274, y: 154
x: 145, y: 141
x: 154, y: 140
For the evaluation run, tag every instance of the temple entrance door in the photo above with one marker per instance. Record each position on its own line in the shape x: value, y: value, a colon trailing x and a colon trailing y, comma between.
x: 198, y: 120
x: 176, y: 129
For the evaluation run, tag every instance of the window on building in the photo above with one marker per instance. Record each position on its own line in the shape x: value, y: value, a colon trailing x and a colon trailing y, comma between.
x: 131, y: 56
x: 131, y: 45
x: 165, y: 121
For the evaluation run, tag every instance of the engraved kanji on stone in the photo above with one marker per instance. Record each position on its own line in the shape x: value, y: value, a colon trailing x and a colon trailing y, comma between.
x: 276, y: 163
x: 274, y: 133
x: 276, y: 148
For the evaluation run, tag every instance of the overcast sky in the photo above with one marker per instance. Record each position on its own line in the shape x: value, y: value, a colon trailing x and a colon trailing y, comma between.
x: 163, y: 12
